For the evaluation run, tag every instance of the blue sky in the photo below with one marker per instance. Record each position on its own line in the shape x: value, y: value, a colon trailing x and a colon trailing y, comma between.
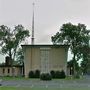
x: 49, y: 15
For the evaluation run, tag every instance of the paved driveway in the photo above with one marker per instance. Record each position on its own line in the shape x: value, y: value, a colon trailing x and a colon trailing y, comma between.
x: 54, y: 83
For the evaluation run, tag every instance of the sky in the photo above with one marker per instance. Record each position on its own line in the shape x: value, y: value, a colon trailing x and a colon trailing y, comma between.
x: 49, y: 16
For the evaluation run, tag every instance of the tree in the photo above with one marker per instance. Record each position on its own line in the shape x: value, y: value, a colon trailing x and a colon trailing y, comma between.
x: 20, y: 56
x: 85, y: 64
x: 74, y: 35
x: 11, y: 39
x: 70, y: 66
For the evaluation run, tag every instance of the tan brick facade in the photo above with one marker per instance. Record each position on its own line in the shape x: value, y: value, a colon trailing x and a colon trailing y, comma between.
x: 11, y: 71
x: 45, y: 58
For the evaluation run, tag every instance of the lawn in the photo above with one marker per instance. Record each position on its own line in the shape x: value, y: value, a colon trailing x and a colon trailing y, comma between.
x: 8, y: 88
x: 12, y: 78
x: 23, y: 78
x: 28, y: 88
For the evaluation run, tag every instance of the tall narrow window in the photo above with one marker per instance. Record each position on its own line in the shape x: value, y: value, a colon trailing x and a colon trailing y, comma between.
x: 8, y: 70
x: 3, y: 70
x: 45, y: 60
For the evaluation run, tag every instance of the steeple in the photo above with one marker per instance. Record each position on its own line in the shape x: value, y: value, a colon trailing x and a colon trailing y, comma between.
x: 32, y: 39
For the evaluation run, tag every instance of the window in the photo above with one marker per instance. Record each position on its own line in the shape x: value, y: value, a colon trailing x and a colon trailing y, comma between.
x: 8, y: 70
x: 45, y: 60
x: 3, y: 70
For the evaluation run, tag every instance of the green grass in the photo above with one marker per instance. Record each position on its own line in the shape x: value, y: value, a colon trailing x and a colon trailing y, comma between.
x: 28, y: 88
x: 8, y: 88
x: 56, y: 89
x: 14, y: 78
x: 23, y: 78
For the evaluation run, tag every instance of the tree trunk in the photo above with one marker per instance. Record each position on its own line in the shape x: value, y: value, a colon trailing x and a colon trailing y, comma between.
x: 74, y: 70
x: 10, y: 55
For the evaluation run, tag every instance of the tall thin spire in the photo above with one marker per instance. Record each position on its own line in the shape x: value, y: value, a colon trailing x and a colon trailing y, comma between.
x: 32, y: 39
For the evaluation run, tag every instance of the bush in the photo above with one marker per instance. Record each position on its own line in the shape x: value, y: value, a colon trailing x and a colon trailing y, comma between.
x: 62, y: 74
x: 77, y: 76
x: 37, y: 74
x: 58, y: 74
x: 45, y: 76
x: 53, y: 74
x: 34, y: 74
x: 31, y: 74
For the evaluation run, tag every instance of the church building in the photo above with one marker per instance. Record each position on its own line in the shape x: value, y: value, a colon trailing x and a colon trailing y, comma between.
x: 45, y: 58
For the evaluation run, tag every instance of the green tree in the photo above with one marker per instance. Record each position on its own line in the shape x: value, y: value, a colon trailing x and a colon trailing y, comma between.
x: 70, y: 66
x: 11, y: 39
x: 20, y: 56
x: 85, y: 64
x: 74, y: 35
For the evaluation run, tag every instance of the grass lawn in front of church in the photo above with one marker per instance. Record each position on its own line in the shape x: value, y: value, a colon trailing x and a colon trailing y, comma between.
x: 35, y: 88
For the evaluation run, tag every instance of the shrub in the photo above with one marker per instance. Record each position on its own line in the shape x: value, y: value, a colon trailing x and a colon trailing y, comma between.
x: 37, y: 74
x: 62, y: 74
x: 57, y: 74
x: 53, y: 74
x: 31, y: 74
x: 45, y: 76
x: 77, y: 76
